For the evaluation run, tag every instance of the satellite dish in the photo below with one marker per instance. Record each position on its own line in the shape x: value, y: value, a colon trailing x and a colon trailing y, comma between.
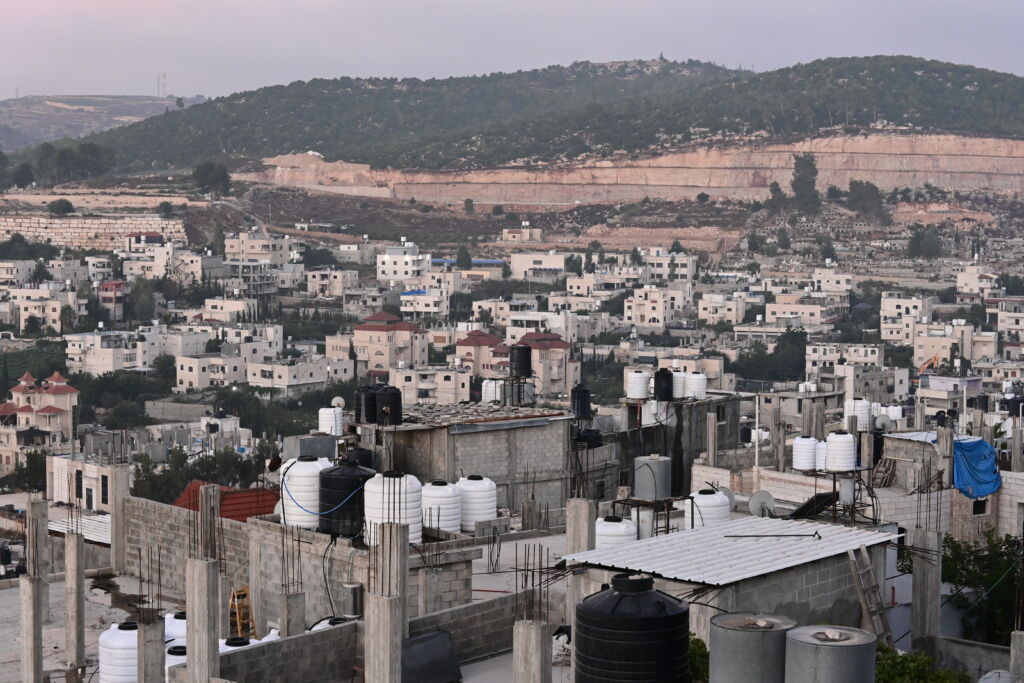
x: 729, y: 494
x: 762, y: 504
x: 338, y: 402
x: 883, y: 423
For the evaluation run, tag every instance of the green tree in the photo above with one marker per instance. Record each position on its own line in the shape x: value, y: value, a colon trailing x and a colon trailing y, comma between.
x: 318, y: 257
x: 866, y: 199
x: 925, y: 242
x: 39, y: 273
x: 5, y: 172
x: 805, y: 178
x: 635, y: 257
x: 833, y: 193
x: 983, y: 575
x: 165, y: 369
x: 782, y: 239
x: 506, y: 270
x: 60, y: 207
x: 67, y: 318
x: 217, y: 241
x: 910, y: 667
x: 755, y: 242
x: 702, y: 198
x: 23, y: 175
x: 828, y: 250
x: 676, y: 247
x: 209, y: 176
x: 140, y: 302
x: 33, y: 326
x: 468, y: 206
x: 776, y: 198
x: 463, y: 259
x: 165, y: 209
x: 574, y: 264
x: 497, y: 209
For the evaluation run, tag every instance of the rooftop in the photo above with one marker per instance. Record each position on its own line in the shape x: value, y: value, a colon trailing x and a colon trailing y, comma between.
x: 468, y: 413
x: 732, y: 551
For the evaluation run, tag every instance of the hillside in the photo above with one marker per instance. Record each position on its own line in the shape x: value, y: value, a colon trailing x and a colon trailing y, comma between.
x: 844, y: 95
x: 353, y: 118
x: 27, y: 121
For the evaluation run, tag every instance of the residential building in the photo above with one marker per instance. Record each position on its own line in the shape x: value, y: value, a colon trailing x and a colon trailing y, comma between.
x: 940, y: 340
x: 287, y: 377
x: 45, y: 303
x: 99, y: 268
x: 97, y: 353
x: 330, y: 282
x: 475, y: 351
x: 555, y: 371
x: 112, y: 295
x: 425, y: 303
x: 523, y: 234
x: 500, y: 311
x: 432, y: 385
x: 402, y: 262
x: 714, y: 308
x: 896, y: 304
x: 648, y: 310
x: 256, y: 245
x: 832, y: 280
x: 822, y: 355
x: 250, y: 279
x: 670, y: 266
x: 228, y: 310
x: 543, y: 266
x: 16, y: 273
x: 39, y: 416
x: 562, y: 323
x: 384, y: 340
x: 974, y: 284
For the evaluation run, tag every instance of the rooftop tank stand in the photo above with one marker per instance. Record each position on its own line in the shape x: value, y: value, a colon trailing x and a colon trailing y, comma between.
x: 862, y: 494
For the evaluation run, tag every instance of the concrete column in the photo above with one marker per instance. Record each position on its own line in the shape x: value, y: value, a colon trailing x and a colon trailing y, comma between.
x: 291, y: 613
x: 926, y: 591
x: 807, y: 419
x: 1017, y: 655
x: 531, y: 652
x: 74, y: 598
x: 580, y: 515
x: 1016, y: 450
x: 818, y: 421
x: 944, y: 448
x: 201, y: 605
x: 429, y: 598
x: 223, y: 607
x: 37, y: 549
x: 382, y: 641
x: 394, y: 543
x: 209, y: 513
x: 530, y: 515
x: 31, y: 588
x: 120, y: 481
x: 151, y: 650
x: 851, y: 424
x: 712, y: 439
x: 867, y: 449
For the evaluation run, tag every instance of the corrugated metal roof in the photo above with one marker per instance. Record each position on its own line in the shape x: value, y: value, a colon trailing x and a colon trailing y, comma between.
x: 732, y: 551
x: 95, y: 528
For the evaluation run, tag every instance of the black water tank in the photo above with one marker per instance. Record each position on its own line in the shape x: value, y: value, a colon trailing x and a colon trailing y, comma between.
x: 389, y: 406
x: 579, y: 399
x: 341, y: 492
x: 631, y: 632
x: 519, y: 360
x: 362, y: 456
x: 365, y: 404
x: 746, y: 434
x: 5, y: 555
x: 940, y: 419
x: 663, y: 385
x: 591, y: 437
x: 1013, y: 406
x: 981, y: 402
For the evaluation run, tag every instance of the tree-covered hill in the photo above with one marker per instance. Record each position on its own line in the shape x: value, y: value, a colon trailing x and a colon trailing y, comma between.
x: 562, y: 113
x: 351, y: 118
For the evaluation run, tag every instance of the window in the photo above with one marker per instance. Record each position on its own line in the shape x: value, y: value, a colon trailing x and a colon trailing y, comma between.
x: 980, y: 507
x: 78, y: 484
x: 104, y: 489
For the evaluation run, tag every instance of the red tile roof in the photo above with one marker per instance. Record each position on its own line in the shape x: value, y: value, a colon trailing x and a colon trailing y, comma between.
x: 544, y: 340
x: 382, y: 317
x: 50, y: 410
x: 7, y: 408
x: 57, y: 377
x: 25, y: 409
x: 27, y: 377
x: 479, y: 338
x: 236, y: 504
x: 390, y: 327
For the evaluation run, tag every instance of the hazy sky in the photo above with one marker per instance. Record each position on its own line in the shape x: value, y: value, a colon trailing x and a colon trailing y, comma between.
x: 214, y: 47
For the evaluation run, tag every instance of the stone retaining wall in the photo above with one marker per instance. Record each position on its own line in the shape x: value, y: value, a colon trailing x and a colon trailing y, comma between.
x: 88, y: 232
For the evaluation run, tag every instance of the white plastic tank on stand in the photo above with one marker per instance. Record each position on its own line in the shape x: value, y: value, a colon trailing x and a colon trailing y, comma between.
x: 234, y: 643
x: 174, y: 655
x: 300, y: 495
x: 479, y: 500
x: 849, y: 410
x: 442, y: 506
x: 696, y: 385
x: 652, y: 477
x: 894, y: 412
x: 841, y: 455
x: 613, y: 530
x: 637, y: 384
x: 862, y: 409
x: 175, y: 628
x: 820, y: 455
x: 393, y: 497
x: 119, y: 653
x: 804, y: 448
x: 710, y: 507
x: 331, y: 421
x: 679, y: 383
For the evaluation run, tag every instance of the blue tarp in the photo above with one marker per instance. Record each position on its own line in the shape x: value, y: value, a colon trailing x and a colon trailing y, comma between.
x: 975, y: 472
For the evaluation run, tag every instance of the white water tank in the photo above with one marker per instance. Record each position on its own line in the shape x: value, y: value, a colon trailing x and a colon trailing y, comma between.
x: 393, y: 497
x: 613, y: 530
x: 119, y: 653
x: 696, y: 385
x: 849, y: 410
x: 491, y: 391
x: 234, y: 643
x: 841, y: 455
x: 876, y: 409
x: 442, y: 506
x: 812, y: 387
x: 820, y: 455
x: 679, y: 383
x: 479, y: 500
x: 175, y: 628
x: 862, y: 409
x: 637, y: 383
x: 710, y: 507
x: 331, y: 421
x: 175, y: 654
x: 327, y: 623
x: 894, y: 412
x: 652, y: 477
x: 300, y: 491
x: 804, y: 448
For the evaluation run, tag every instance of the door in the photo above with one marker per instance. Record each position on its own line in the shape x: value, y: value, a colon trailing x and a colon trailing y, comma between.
x: 88, y: 499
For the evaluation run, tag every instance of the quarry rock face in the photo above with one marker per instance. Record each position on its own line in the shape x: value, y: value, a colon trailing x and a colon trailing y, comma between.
x: 738, y: 170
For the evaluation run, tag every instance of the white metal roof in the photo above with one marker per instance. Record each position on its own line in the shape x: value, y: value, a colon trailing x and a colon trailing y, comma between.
x: 732, y: 551
x: 94, y: 528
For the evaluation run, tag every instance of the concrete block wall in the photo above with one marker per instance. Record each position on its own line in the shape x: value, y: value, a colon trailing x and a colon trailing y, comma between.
x: 1010, y: 517
x: 88, y: 232
x: 927, y: 510
x: 479, y: 630
x: 345, y: 563
x: 152, y: 524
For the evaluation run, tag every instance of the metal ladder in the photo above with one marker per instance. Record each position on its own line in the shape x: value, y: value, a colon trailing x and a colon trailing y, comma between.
x: 869, y: 594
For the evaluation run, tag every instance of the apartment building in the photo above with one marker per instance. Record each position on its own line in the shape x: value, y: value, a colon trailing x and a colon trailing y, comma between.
x: 432, y: 385
x: 364, y: 301
x: 555, y: 371
x: 16, y: 273
x: 198, y: 371
x: 937, y: 340
x: 111, y: 295
x: 70, y: 271
x: 824, y: 310
x: 99, y: 268
x: 832, y: 280
x: 942, y: 392
x: 38, y: 416
x: 475, y: 352
x: 330, y: 282
x: 502, y: 310
x: 228, y: 310
x: 425, y: 303
x: 562, y: 323
x: 974, y: 284
x: 97, y: 353
x: 820, y: 356
x: 896, y: 304
x: 257, y: 245
x: 648, y: 310
x: 668, y: 266
x: 45, y: 303
x: 544, y: 266
x: 714, y: 308
x: 288, y: 377
x: 384, y: 340
x: 250, y: 279
x: 402, y: 262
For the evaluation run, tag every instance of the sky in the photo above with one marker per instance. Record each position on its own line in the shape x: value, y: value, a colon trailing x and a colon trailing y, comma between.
x: 215, y: 47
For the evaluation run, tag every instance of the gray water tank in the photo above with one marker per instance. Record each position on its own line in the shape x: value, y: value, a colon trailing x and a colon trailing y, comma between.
x: 652, y: 477
x: 830, y: 654
x: 748, y: 647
